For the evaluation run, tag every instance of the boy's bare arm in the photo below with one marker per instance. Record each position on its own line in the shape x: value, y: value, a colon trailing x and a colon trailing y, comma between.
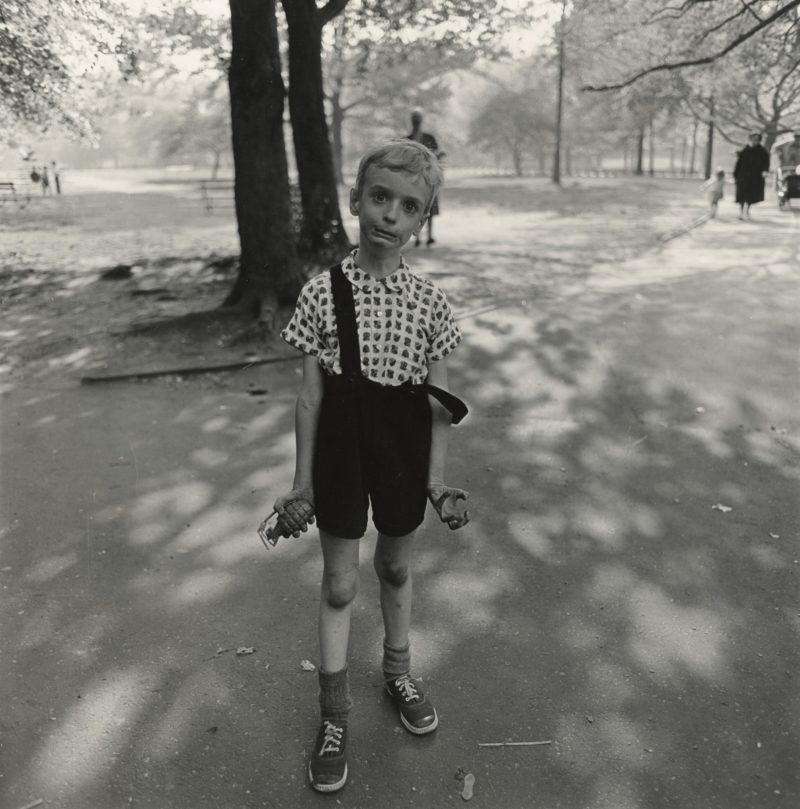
x: 296, y: 509
x: 444, y: 498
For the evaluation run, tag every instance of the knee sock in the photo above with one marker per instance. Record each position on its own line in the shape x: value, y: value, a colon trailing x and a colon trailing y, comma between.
x: 396, y: 661
x: 334, y: 695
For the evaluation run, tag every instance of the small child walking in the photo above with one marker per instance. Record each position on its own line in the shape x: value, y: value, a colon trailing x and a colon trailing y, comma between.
x: 715, y: 188
x: 371, y: 426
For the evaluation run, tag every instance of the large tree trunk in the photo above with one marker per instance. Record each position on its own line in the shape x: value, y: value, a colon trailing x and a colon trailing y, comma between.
x: 322, y: 234
x: 693, y: 154
x: 556, y: 176
x: 639, y: 170
x: 516, y: 158
x: 337, y: 124
x: 709, y: 141
x: 267, y: 271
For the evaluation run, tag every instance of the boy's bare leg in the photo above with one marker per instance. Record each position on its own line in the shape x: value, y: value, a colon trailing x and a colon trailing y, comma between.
x: 339, y: 588
x: 393, y: 565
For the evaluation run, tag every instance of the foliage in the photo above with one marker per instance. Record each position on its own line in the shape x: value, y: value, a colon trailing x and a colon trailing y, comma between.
x: 45, y: 76
x: 178, y: 31
x: 754, y: 89
x: 644, y: 37
x: 517, y: 119
x: 202, y: 124
x: 392, y: 57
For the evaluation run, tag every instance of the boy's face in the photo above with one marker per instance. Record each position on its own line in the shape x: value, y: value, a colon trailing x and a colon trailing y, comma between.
x: 391, y: 208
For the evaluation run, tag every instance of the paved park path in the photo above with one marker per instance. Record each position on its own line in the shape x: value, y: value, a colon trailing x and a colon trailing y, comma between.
x: 627, y: 591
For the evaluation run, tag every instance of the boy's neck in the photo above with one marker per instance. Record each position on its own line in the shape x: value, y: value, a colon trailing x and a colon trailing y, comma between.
x: 378, y: 265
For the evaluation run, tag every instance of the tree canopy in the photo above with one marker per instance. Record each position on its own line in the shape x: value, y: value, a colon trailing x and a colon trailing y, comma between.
x: 44, y: 69
x: 640, y: 37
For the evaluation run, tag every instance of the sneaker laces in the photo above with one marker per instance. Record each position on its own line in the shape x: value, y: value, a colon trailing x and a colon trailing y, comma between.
x: 407, y: 687
x: 332, y: 740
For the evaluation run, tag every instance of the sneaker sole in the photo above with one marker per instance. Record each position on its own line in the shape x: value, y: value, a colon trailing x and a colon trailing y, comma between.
x: 327, y: 787
x: 421, y: 731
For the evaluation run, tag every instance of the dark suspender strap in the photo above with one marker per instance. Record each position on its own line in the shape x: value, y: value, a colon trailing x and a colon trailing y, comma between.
x: 448, y: 401
x: 346, y: 327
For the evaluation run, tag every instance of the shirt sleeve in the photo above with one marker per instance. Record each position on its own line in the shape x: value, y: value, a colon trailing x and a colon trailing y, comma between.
x: 304, y: 331
x: 445, y: 335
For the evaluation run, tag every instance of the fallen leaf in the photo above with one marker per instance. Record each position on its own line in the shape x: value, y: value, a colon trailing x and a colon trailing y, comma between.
x: 469, y: 783
x: 699, y: 410
x: 774, y: 536
x: 245, y: 650
x: 307, y: 665
x: 720, y: 507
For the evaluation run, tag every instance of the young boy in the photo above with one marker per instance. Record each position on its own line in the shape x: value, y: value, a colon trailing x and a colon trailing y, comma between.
x: 371, y: 423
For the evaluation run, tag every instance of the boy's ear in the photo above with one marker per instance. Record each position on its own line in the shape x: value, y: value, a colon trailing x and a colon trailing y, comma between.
x: 353, y: 202
x: 421, y: 224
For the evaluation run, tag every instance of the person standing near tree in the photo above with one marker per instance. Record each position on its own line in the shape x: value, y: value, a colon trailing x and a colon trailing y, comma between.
x: 752, y: 166
x: 430, y: 142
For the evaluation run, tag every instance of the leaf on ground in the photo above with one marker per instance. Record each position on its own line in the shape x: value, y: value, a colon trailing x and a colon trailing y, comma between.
x: 307, y: 665
x: 245, y: 650
x: 720, y: 507
x: 774, y: 536
x: 469, y: 783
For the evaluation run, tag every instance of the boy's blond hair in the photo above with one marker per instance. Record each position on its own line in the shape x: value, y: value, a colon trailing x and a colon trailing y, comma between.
x: 400, y: 154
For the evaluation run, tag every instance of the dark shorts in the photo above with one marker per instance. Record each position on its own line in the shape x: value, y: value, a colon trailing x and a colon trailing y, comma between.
x: 372, y: 448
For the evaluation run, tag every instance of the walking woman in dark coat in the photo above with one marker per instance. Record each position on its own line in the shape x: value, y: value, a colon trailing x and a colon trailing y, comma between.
x: 752, y: 166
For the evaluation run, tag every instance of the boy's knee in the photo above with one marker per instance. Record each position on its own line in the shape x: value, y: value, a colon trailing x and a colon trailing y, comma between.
x: 339, y: 589
x: 395, y: 574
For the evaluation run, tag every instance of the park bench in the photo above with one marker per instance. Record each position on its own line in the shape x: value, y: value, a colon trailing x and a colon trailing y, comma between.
x: 217, y: 194
x: 8, y: 192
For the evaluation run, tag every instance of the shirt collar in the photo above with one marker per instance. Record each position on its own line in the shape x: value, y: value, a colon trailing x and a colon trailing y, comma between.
x: 398, y: 281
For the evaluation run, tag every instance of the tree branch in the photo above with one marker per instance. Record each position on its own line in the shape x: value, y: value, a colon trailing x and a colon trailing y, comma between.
x: 331, y: 9
x: 707, y: 33
x: 705, y: 60
x: 748, y: 7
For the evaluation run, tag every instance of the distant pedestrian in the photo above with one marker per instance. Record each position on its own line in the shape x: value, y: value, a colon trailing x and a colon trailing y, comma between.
x: 373, y: 418
x: 752, y: 166
x: 428, y: 140
x: 45, y: 180
x: 716, y: 191
x: 56, y: 177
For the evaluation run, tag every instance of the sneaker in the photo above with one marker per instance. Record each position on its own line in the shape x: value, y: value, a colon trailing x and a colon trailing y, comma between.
x: 430, y: 241
x: 416, y: 712
x: 327, y: 769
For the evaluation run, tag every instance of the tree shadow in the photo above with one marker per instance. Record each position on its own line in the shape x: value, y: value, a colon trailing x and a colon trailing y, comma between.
x: 598, y: 600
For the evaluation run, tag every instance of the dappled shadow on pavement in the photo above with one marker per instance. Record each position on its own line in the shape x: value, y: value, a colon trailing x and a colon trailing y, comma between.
x: 598, y: 600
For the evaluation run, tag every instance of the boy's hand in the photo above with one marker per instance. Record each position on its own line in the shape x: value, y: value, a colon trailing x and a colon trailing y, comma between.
x: 295, y: 512
x: 445, y: 499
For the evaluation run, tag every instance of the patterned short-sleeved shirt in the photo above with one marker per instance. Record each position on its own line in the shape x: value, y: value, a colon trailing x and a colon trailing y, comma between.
x: 404, y: 323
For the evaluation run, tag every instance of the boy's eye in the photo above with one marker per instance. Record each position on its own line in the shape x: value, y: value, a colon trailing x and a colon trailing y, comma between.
x: 411, y: 207
x: 378, y: 196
